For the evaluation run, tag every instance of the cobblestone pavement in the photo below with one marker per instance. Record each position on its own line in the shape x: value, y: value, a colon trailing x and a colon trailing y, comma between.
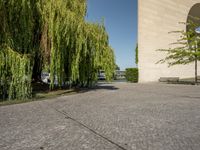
x: 118, y: 116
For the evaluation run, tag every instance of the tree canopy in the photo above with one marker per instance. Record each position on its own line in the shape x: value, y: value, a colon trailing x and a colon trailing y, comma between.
x: 39, y: 33
x: 186, y: 49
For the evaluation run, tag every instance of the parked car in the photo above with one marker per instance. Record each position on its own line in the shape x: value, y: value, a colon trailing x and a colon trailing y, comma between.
x: 101, y: 75
x: 45, y: 76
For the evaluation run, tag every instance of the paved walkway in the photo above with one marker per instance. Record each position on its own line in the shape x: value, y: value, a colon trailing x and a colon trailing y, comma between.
x: 119, y: 116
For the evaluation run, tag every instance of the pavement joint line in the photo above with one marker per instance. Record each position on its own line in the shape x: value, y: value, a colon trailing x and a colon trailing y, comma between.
x: 91, y: 130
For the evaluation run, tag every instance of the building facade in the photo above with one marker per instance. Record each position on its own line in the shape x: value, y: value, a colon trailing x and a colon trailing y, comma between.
x: 156, y: 18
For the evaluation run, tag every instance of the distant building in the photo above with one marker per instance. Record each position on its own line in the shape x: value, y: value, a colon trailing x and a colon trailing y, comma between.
x: 155, y: 19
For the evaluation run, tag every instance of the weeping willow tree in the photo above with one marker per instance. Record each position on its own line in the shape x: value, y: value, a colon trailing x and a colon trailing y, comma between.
x: 15, y: 74
x: 39, y: 33
x: 77, y: 48
x: 96, y: 54
x: 19, y: 47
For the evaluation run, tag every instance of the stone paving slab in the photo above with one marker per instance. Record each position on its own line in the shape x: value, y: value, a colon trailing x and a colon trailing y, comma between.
x: 36, y: 126
x: 115, y: 116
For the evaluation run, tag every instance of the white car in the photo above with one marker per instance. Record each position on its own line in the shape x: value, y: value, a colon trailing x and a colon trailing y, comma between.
x: 101, y: 75
x: 45, y: 76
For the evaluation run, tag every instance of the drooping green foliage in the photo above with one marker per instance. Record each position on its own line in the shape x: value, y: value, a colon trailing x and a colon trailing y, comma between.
x: 55, y: 34
x: 78, y: 49
x: 96, y: 54
x: 19, y: 44
x: 15, y: 74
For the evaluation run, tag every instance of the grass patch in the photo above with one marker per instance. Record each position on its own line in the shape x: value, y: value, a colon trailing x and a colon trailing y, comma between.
x: 42, y: 92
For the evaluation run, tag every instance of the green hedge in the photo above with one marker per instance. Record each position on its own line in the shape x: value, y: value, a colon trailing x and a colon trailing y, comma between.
x: 132, y: 75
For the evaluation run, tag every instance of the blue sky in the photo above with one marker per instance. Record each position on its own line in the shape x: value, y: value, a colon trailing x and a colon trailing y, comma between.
x: 121, y: 24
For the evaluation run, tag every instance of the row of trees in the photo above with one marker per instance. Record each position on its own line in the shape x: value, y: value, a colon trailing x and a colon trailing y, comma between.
x: 39, y: 33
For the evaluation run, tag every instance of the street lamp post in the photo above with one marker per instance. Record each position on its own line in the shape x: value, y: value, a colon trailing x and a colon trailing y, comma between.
x: 197, y: 30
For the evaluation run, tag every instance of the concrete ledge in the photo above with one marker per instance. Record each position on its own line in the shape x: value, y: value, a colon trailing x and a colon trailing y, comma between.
x: 169, y: 79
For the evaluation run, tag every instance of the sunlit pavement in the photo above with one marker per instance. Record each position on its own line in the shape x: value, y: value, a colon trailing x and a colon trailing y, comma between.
x: 113, y: 116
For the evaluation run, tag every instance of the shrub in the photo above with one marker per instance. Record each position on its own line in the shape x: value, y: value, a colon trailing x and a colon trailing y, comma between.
x: 132, y: 75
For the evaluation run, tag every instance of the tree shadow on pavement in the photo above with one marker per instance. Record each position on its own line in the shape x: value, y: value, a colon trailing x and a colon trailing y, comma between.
x: 98, y: 87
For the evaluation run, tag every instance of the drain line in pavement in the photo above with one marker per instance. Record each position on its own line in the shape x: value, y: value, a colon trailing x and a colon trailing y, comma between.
x: 94, y: 132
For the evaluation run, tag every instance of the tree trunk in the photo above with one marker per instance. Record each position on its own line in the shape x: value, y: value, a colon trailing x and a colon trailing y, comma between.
x: 196, y: 76
x: 196, y: 79
x: 37, y: 69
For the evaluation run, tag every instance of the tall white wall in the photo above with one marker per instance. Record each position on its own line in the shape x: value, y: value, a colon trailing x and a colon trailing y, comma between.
x: 155, y: 19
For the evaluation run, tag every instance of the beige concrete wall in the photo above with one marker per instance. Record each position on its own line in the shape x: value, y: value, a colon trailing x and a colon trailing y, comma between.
x: 155, y: 19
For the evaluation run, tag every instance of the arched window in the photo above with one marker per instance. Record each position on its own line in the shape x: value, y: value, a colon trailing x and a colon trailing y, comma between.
x: 194, y: 15
x: 193, y: 21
